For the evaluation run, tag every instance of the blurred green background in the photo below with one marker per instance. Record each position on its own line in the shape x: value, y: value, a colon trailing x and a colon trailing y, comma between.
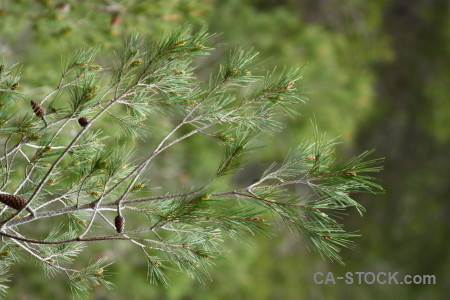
x: 377, y: 74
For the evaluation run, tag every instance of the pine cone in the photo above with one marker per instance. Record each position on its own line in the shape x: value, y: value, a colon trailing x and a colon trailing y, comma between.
x: 83, y: 121
x: 14, y: 201
x: 38, y: 110
x: 115, y: 19
x: 119, y: 222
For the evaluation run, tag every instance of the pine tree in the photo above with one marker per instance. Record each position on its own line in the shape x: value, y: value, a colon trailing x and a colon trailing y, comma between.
x: 88, y: 187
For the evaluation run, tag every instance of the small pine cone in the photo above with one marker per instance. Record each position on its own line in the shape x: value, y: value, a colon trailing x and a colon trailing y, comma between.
x: 14, y: 201
x: 83, y: 121
x: 119, y: 222
x: 38, y: 110
x: 115, y: 19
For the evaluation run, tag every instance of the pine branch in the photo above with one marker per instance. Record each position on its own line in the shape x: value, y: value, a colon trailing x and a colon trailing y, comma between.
x: 98, y: 187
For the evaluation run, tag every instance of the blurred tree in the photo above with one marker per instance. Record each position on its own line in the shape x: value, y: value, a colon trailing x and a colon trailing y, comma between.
x: 39, y: 31
x: 411, y: 108
x: 338, y: 40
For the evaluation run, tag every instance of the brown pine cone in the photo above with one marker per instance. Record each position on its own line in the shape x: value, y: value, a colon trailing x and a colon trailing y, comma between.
x: 38, y: 110
x: 83, y: 121
x: 115, y: 19
x: 14, y: 201
x: 119, y: 222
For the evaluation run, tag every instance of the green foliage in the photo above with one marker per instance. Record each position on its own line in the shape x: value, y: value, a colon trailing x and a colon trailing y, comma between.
x: 339, y: 42
x: 86, y: 181
x: 31, y: 29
